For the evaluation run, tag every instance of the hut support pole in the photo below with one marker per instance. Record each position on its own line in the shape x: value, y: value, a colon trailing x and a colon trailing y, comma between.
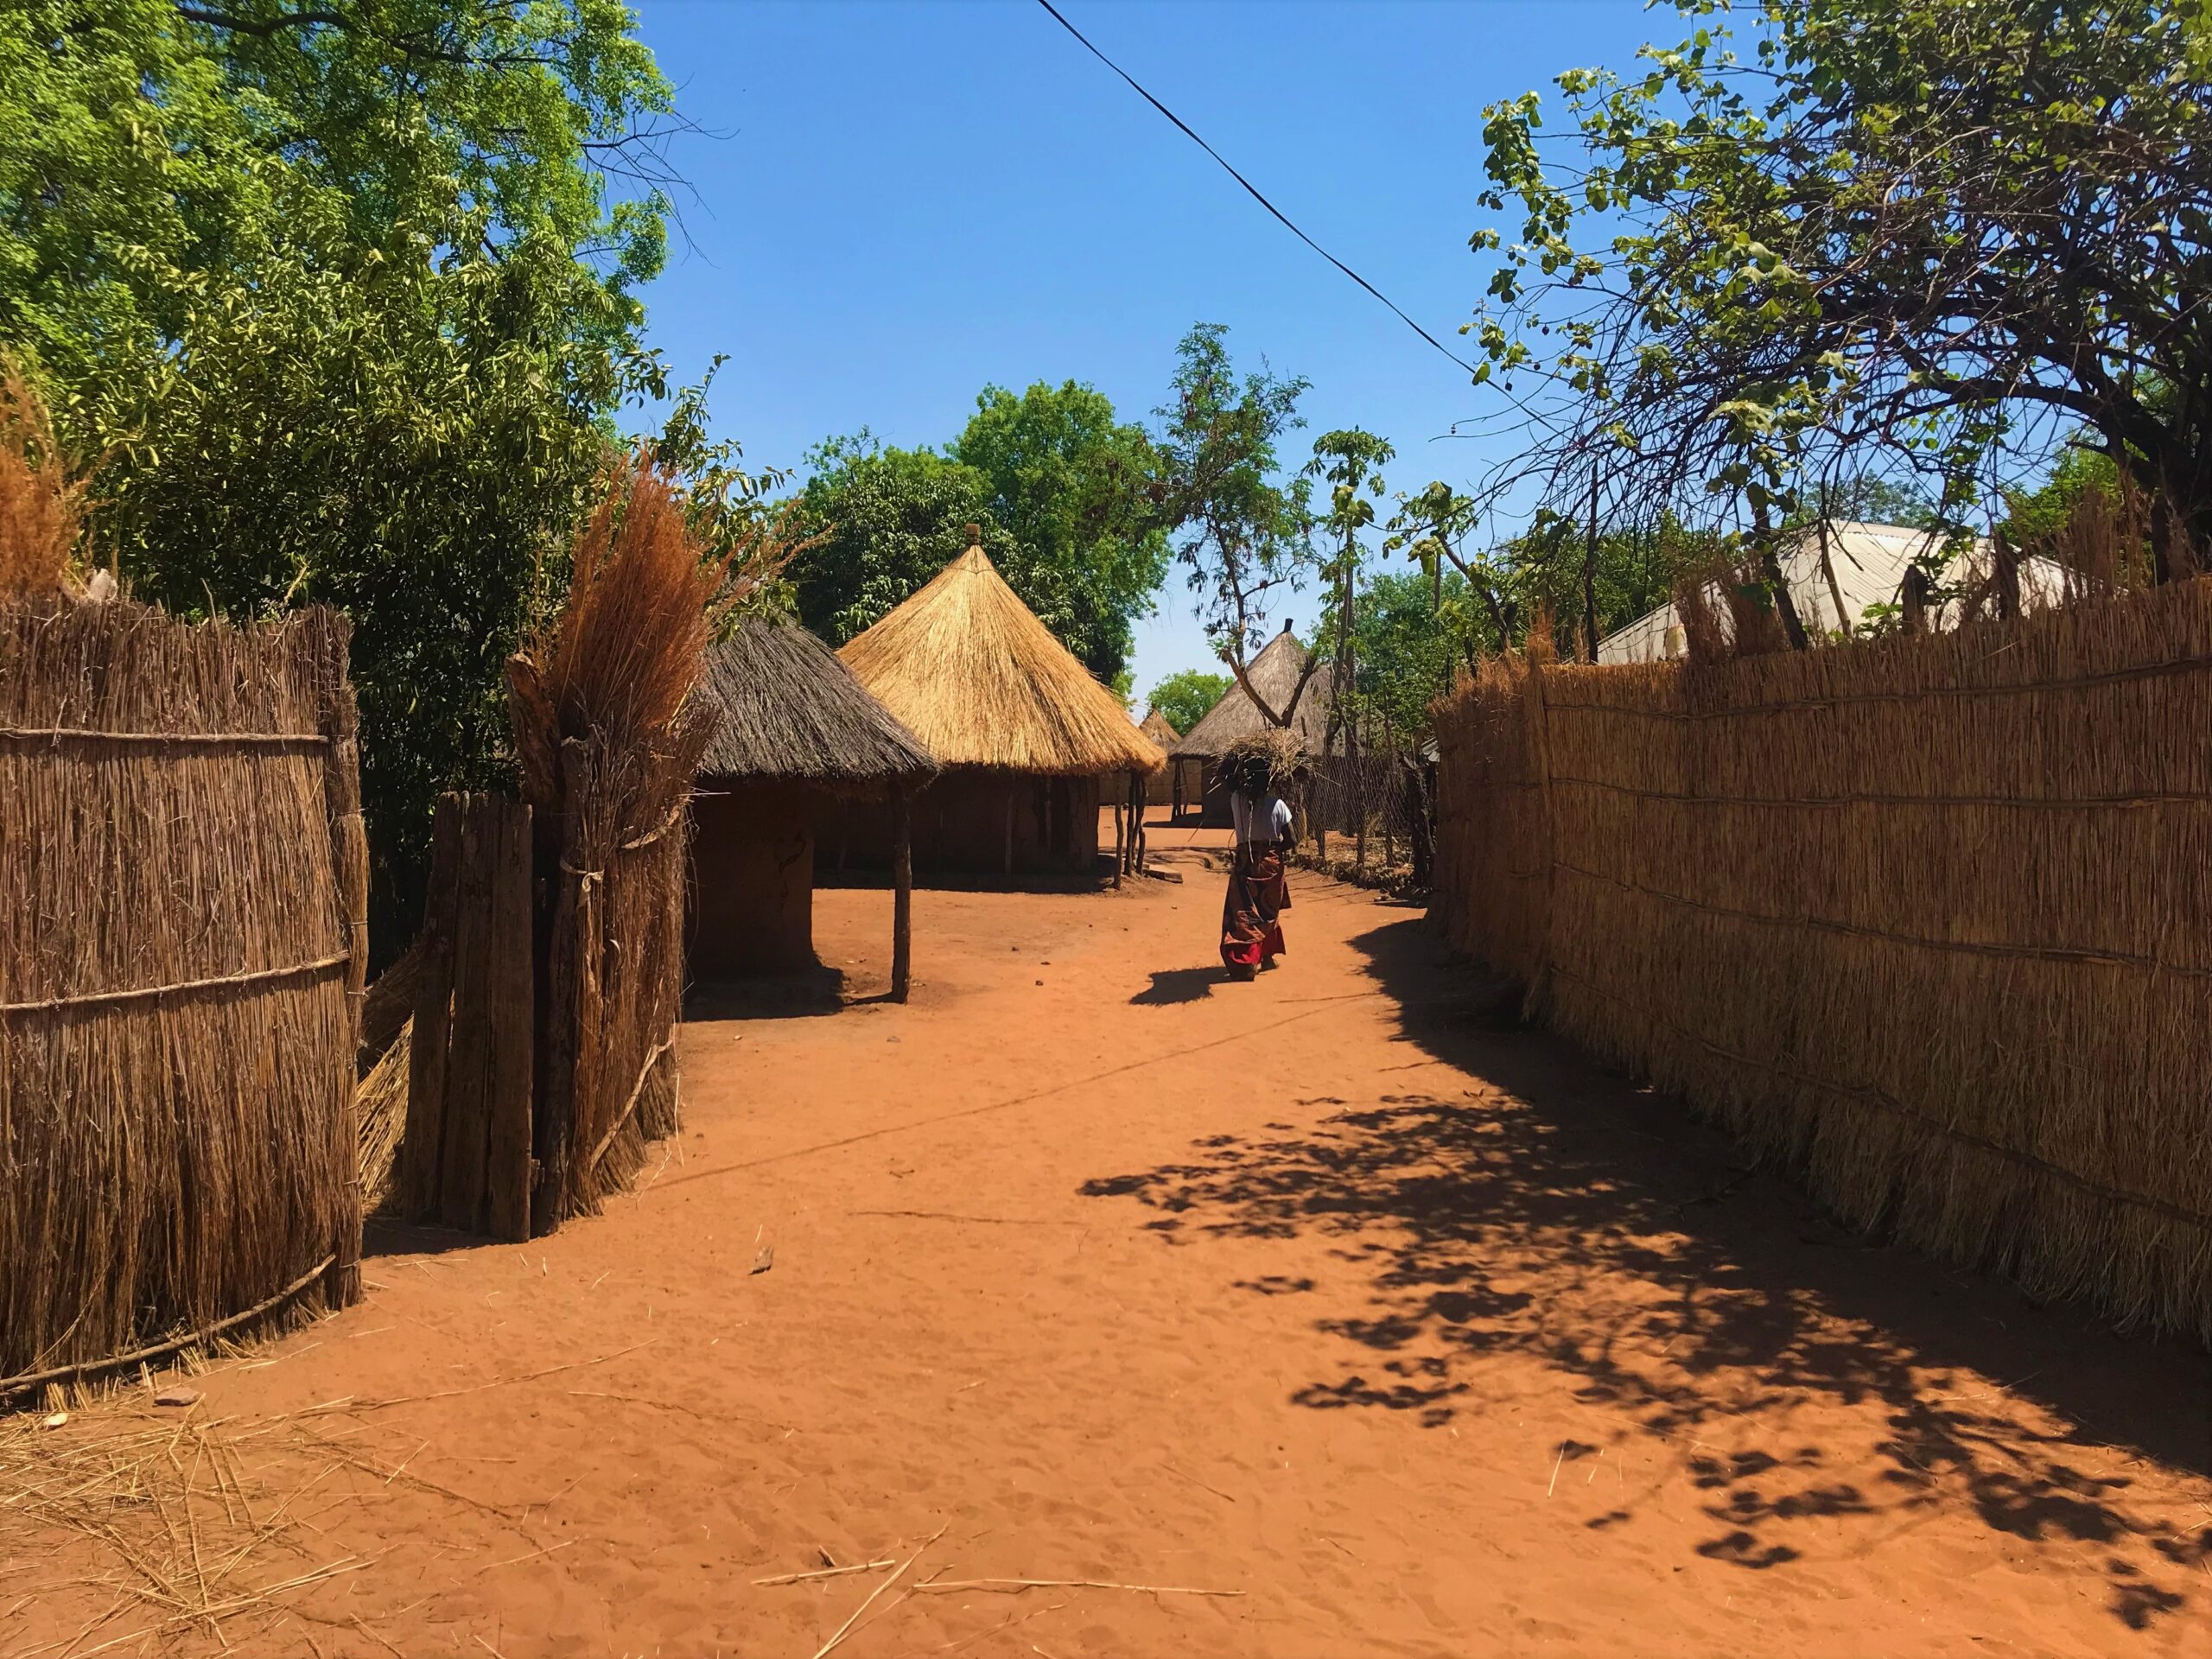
x: 1010, y: 794
x: 902, y: 892
x: 1138, y: 788
x: 1121, y: 844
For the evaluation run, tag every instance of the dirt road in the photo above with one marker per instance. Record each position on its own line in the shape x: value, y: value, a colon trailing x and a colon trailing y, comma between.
x: 1407, y: 1331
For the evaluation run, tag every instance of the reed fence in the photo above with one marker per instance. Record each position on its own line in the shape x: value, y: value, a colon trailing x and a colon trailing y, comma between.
x: 183, y: 937
x: 1928, y: 920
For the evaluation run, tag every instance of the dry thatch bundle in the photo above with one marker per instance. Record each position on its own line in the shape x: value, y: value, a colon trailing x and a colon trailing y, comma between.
x: 1274, y: 673
x: 789, y: 708
x: 42, y: 505
x: 965, y: 666
x: 609, y: 734
x: 380, y: 1119
x: 1278, y: 746
x: 182, y: 894
x: 1157, y: 727
x: 619, y: 662
x: 1926, y: 919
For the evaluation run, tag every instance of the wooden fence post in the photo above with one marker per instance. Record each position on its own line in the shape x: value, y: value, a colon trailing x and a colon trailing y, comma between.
x: 424, y: 1138
x: 902, y: 892
x: 349, y: 853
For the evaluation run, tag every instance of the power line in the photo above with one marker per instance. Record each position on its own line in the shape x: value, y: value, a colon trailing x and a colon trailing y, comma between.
x: 1252, y: 190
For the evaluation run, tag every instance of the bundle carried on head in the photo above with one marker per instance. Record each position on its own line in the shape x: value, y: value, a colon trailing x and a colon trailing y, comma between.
x: 1276, y: 748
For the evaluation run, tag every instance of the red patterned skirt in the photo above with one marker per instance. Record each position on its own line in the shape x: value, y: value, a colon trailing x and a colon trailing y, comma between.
x: 1258, y: 894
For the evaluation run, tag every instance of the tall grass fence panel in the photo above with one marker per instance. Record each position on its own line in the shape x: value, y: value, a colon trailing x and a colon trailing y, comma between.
x: 1928, y: 920
x: 183, y: 937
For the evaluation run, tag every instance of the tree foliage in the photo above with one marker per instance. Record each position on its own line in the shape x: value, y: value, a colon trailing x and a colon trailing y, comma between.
x: 1243, y: 529
x: 342, y: 301
x: 1058, y: 488
x: 1188, y: 697
x: 1073, y: 485
x: 1921, y: 239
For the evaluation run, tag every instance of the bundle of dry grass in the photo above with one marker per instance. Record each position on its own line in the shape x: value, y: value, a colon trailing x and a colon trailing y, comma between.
x: 380, y: 1120
x: 154, y: 1527
x: 609, y: 734
x: 1929, y: 920
x: 619, y: 662
x: 43, y: 504
x: 965, y: 666
x: 1281, y: 747
x: 182, y: 932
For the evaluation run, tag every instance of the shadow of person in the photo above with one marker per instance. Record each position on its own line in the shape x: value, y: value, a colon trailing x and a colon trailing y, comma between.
x: 1173, y: 985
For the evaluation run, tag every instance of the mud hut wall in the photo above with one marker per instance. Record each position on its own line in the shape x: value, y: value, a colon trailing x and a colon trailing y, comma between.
x: 182, y: 892
x: 960, y: 825
x: 1928, y: 921
x: 753, y: 877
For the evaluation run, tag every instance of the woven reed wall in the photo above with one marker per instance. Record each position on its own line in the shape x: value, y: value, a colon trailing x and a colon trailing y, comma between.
x: 1928, y: 921
x: 182, y: 937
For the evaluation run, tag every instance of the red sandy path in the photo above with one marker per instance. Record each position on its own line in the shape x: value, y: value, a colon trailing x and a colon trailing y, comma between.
x: 1334, y: 1289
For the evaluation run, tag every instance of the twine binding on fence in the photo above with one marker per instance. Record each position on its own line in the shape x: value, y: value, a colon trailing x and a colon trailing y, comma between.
x: 56, y: 734
x: 144, y: 993
x: 13, y: 1385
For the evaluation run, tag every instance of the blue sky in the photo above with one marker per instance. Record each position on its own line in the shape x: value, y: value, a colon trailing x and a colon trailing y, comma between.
x: 906, y: 201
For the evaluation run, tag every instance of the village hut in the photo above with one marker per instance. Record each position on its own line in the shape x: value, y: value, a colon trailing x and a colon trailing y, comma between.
x: 1027, y: 737
x: 1835, y: 574
x: 1159, y: 789
x: 1274, y: 674
x: 798, y: 736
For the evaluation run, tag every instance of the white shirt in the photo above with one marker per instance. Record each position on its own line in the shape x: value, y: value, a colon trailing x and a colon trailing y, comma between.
x: 1269, y: 824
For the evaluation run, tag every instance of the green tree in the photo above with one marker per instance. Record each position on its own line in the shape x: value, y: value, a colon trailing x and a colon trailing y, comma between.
x: 1244, y: 531
x: 1188, y: 697
x: 1413, y: 639
x: 886, y: 520
x: 341, y: 301
x: 1075, y: 487
x: 1923, y: 237
x: 1349, y: 461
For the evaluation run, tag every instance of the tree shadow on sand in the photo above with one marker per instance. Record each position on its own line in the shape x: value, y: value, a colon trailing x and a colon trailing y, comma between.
x: 1561, y: 1213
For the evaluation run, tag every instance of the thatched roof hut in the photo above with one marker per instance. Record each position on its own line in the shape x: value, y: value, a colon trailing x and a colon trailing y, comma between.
x: 1156, y: 726
x: 1025, y: 734
x: 1274, y: 672
x: 791, y: 711
x: 966, y: 667
x: 795, y: 727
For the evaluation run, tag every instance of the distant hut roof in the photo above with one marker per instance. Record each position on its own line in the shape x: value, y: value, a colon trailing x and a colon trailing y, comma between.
x: 1274, y: 671
x: 1157, y: 727
x: 983, y: 683
x: 789, y: 709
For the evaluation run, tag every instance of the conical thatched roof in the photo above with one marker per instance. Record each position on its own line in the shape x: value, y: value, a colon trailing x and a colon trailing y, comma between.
x: 1275, y: 672
x: 1156, y: 726
x: 790, y: 709
x: 983, y: 683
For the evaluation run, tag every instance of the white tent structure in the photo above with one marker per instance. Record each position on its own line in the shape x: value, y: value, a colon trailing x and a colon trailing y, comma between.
x: 1867, y: 563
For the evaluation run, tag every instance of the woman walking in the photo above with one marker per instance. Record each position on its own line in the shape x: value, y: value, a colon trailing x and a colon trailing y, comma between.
x: 1251, y: 934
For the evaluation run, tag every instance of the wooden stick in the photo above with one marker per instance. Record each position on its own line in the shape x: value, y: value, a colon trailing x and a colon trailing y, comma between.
x: 637, y: 1093
x: 902, y: 893
x: 826, y: 1572
x: 1016, y: 1585
x: 847, y: 1626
